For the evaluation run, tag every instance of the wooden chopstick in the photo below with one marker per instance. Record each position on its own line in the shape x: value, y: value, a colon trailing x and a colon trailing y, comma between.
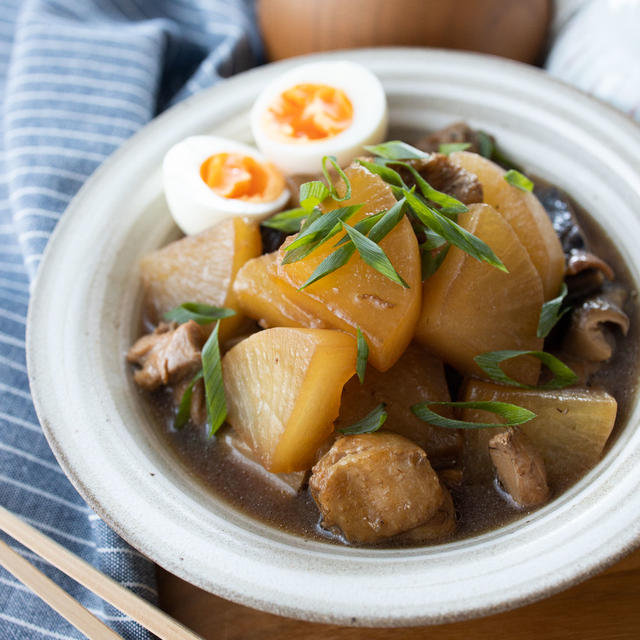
x: 56, y: 597
x: 143, y: 612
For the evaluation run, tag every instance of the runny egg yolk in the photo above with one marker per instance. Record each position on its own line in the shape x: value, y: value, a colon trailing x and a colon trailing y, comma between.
x: 310, y: 112
x: 240, y: 177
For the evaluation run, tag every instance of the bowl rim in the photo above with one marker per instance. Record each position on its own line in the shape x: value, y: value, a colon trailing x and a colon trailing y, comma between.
x: 51, y: 415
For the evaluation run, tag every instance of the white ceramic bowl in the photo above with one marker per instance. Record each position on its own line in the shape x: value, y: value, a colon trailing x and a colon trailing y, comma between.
x: 82, y: 320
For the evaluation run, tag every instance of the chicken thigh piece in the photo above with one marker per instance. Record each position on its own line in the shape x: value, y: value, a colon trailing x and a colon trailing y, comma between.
x: 374, y: 486
x: 520, y: 468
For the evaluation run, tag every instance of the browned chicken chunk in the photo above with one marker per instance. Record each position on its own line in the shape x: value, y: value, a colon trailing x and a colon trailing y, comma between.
x: 438, y: 527
x: 167, y: 355
x: 374, y: 486
x: 520, y: 468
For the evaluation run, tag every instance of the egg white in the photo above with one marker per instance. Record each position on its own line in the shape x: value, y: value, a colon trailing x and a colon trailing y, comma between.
x: 369, y: 125
x: 193, y: 204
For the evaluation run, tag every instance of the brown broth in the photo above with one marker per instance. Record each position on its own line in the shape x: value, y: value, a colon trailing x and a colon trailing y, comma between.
x: 479, y: 508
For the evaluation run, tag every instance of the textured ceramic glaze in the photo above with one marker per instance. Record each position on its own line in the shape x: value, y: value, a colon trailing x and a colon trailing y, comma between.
x: 83, y: 318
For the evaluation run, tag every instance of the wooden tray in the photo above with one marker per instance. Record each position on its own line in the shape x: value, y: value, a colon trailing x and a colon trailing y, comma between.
x: 605, y: 607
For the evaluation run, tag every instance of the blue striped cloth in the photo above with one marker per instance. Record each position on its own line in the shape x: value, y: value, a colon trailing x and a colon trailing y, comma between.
x: 77, y: 78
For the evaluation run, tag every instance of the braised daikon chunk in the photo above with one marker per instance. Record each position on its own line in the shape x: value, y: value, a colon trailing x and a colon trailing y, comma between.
x: 525, y: 214
x: 570, y: 431
x: 357, y: 295
x: 283, y: 390
x: 470, y: 307
x: 200, y: 268
x: 271, y: 301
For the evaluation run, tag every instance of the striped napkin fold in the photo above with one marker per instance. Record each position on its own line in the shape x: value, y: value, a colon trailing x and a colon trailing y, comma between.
x: 77, y: 78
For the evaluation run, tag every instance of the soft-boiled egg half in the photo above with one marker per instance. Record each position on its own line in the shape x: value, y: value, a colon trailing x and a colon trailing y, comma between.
x: 316, y: 110
x: 207, y: 179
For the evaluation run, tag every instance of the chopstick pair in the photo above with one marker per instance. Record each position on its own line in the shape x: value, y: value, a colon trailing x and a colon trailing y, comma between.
x: 143, y: 612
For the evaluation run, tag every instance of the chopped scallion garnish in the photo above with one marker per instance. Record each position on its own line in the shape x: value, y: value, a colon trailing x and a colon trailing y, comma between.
x: 551, y: 312
x: 331, y: 263
x: 485, y: 144
x: 332, y: 190
x: 379, y: 224
x: 396, y: 150
x: 513, y: 414
x: 213, y: 383
x: 449, y: 205
x: 363, y: 226
x: 518, y: 180
x: 431, y: 260
x: 452, y: 232
x: 452, y: 147
x: 373, y: 255
x: 184, y: 409
x: 312, y: 194
x: 318, y: 232
x: 490, y: 362
x: 287, y: 221
x: 362, y: 357
x: 197, y: 311
x: 388, y: 222
x: 369, y: 424
x: 390, y: 176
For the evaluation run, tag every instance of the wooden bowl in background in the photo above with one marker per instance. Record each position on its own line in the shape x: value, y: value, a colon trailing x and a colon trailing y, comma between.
x: 505, y: 28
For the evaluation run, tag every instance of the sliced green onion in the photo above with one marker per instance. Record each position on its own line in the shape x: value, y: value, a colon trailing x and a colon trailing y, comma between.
x: 452, y: 147
x: 551, y: 312
x: 390, y: 176
x: 331, y: 263
x: 288, y: 221
x: 312, y: 194
x: 396, y: 150
x: 490, y: 362
x: 363, y: 226
x: 197, y: 311
x: 449, y: 205
x: 362, y: 357
x: 432, y: 240
x: 518, y: 180
x: 373, y: 255
x: 316, y: 212
x: 317, y: 233
x: 512, y: 414
x: 431, y: 260
x: 370, y: 423
x: 453, y: 232
x: 485, y: 144
x: 184, y: 409
x: 388, y: 222
x: 332, y: 190
x: 213, y: 384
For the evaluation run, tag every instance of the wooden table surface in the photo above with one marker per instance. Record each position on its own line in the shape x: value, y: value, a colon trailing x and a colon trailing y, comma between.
x: 605, y: 607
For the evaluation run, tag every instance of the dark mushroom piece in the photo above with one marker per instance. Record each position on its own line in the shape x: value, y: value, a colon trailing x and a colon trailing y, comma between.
x: 580, y: 260
x: 520, y: 468
x: 591, y: 332
x: 586, y: 274
x: 560, y: 210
